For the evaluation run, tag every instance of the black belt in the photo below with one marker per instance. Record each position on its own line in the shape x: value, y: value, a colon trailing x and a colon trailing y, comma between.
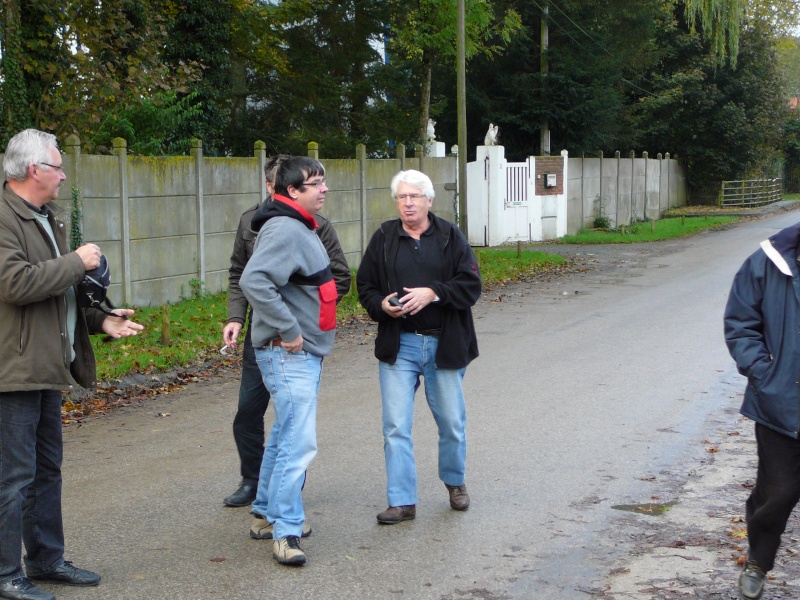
x: 434, y: 332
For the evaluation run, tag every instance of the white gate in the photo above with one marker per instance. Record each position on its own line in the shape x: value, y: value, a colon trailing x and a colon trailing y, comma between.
x: 519, y: 194
x: 507, y: 201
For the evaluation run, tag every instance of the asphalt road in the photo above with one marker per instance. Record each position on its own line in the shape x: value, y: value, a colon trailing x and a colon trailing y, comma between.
x: 590, y: 387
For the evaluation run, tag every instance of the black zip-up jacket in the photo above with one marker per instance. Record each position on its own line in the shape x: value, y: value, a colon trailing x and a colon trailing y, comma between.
x: 458, y: 288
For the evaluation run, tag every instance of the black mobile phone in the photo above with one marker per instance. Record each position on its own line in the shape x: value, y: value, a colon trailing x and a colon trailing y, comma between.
x: 395, y: 302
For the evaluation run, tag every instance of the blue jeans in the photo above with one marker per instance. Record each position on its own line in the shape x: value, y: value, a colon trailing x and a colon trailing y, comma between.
x: 31, y: 452
x: 445, y: 396
x: 293, y: 382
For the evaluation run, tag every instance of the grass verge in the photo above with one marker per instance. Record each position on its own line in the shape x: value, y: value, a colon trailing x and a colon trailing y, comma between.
x: 195, y: 325
x: 649, y: 231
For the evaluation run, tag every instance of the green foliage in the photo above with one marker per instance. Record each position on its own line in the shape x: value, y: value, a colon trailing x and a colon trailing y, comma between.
x: 201, y: 33
x: 150, y: 126
x: 81, y: 60
x: 196, y: 331
x: 76, y: 220
x: 601, y: 220
x: 16, y: 111
x: 720, y: 22
x: 197, y: 288
x: 663, y: 229
x: 594, y: 49
x: 724, y: 122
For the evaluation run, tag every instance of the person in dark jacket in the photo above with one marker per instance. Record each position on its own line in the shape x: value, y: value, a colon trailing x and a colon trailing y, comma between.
x: 46, y: 349
x: 762, y: 326
x: 419, y: 280
x: 248, y: 424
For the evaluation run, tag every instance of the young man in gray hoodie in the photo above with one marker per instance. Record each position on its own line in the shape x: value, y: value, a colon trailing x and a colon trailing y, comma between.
x: 289, y: 285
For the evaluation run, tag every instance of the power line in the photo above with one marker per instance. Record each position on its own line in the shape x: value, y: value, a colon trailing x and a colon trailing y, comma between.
x: 581, y: 46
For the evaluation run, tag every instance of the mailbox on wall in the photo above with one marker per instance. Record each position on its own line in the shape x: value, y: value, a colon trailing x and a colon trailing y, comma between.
x: 549, y: 180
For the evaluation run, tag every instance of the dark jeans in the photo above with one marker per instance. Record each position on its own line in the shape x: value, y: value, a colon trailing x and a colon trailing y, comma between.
x: 776, y: 493
x: 248, y: 424
x: 31, y: 452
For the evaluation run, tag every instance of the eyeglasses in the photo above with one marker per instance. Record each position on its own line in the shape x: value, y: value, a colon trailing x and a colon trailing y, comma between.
x: 56, y: 167
x: 317, y: 183
x: 413, y: 197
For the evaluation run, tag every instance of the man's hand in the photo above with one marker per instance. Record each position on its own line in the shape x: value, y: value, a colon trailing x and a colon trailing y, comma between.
x: 230, y: 334
x: 90, y: 255
x: 296, y: 345
x: 416, y: 299
x: 117, y: 327
x: 394, y: 310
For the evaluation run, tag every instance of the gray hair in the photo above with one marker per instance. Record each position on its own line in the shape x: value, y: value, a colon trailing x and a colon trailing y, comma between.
x: 415, y: 179
x: 28, y: 147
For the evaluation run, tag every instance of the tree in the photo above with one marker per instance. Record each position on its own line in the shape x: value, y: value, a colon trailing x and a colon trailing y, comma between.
x: 16, y: 112
x: 725, y: 121
x: 81, y: 59
x: 720, y: 23
x: 201, y: 33
x: 425, y: 31
x: 598, y: 50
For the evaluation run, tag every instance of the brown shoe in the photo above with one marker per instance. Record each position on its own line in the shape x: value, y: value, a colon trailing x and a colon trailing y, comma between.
x: 459, y: 498
x: 395, y: 514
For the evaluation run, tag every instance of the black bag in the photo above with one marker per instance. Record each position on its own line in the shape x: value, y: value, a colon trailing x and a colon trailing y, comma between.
x: 91, y: 292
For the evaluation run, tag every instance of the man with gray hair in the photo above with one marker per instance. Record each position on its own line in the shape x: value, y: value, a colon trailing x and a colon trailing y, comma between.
x: 419, y: 280
x: 46, y: 350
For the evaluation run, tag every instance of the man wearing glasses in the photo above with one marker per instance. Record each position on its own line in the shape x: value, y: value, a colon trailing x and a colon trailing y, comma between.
x: 45, y: 350
x: 248, y: 424
x: 419, y: 280
x: 290, y: 287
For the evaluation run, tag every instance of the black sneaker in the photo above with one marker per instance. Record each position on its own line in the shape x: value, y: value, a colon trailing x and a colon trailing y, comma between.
x: 21, y: 588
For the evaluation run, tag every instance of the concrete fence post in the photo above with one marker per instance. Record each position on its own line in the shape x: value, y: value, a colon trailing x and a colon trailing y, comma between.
x: 197, y: 151
x: 401, y: 154
x: 644, y: 200
x: 660, y: 159
x: 616, y: 192
x: 260, y: 152
x: 72, y: 163
x: 313, y: 150
x: 120, y: 150
x: 361, y: 156
x: 669, y: 190
x: 419, y: 154
x: 631, y: 213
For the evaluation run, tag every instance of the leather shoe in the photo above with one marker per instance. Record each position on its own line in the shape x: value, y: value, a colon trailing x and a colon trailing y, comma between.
x: 395, y: 514
x: 66, y: 572
x: 459, y: 498
x: 243, y: 496
x: 751, y: 581
x: 22, y: 589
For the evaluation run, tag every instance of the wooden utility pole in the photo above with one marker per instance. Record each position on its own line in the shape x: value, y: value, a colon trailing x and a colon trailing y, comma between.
x: 544, y: 139
x: 461, y: 93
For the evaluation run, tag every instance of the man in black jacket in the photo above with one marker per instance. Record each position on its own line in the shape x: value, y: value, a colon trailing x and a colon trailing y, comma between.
x: 762, y: 321
x: 419, y: 280
x: 248, y: 424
